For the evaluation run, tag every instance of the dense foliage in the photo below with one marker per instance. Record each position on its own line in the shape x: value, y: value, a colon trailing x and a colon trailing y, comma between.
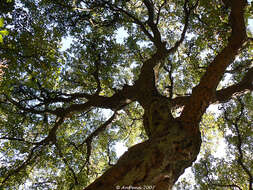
x: 63, y: 109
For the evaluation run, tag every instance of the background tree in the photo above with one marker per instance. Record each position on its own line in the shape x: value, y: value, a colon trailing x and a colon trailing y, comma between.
x: 63, y: 110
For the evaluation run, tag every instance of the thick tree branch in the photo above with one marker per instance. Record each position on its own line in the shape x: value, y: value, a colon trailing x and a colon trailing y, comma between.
x: 241, y: 67
x: 115, y: 102
x: 128, y: 94
x: 66, y: 98
x: 151, y: 16
x: 149, y: 74
x: 243, y: 86
x: 146, y: 84
x: 225, y: 94
x: 203, y: 93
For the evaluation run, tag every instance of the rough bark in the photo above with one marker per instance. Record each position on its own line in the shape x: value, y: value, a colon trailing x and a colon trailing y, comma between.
x: 158, y: 161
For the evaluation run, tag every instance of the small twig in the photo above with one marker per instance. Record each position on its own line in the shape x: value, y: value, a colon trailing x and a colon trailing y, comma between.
x: 186, y: 25
x: 66, y: 163
x: 89, y: 139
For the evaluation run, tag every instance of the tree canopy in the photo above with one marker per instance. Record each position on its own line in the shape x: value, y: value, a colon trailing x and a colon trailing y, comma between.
x: 139, y: 72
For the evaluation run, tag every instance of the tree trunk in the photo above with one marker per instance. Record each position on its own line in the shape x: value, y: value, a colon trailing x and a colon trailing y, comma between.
x: 157, y: 162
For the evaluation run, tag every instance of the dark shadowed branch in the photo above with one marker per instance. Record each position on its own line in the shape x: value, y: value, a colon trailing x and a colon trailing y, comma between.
x: 100, y: 129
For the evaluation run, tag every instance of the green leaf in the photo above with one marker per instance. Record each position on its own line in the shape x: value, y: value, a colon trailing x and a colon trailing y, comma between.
x: 4, y: 32
x: 1, y: 22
